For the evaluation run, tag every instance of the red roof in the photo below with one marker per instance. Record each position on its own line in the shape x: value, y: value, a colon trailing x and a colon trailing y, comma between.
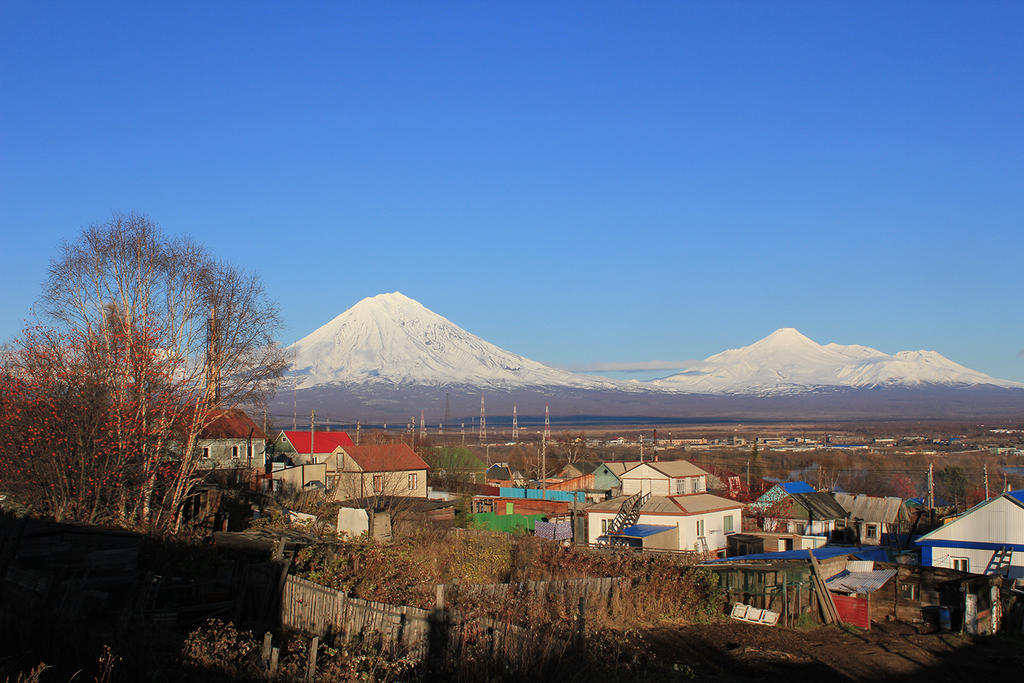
x: 323, y: 442
x: 392, y: 457
x: 233, y: 423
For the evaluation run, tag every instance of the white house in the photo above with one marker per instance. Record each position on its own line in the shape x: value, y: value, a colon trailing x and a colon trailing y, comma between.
x: 987, y: 539
x: 677, y: 514
x: 672, y: 478
x: 230, y: 440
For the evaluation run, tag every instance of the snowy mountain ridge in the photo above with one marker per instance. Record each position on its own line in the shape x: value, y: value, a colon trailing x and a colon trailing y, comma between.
x: 786, y: 361
x: 392, y: 340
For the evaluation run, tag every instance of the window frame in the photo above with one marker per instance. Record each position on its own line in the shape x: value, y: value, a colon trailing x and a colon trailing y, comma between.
x: 957, y: 562
x: 413, y: 481
x: 378, y: 483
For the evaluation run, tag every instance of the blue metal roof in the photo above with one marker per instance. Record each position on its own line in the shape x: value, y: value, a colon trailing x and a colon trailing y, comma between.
x: 822, y: 553
x: 797, y: 487
x: 1016, y: 495
x: 641, y: 530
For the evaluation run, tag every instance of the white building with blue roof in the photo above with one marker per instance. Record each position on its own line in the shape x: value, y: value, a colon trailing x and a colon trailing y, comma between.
x: 987, y: 539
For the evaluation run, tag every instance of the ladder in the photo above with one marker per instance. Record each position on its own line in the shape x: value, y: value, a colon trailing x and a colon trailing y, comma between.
x: 629, y: 513
x: 1001, y: 561
x: 701, y: 546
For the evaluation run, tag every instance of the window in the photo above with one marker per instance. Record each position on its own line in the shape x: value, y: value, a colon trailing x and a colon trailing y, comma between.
x: 248, y: 451
x: 960, y: 564
x: 234, y: 451
x: 801, y: 528
x: 206, y: 452
x: 378, y: 483
x: 700, y: 527
x: 727, y: 523
x: 412, y: 481
x: 870, y: 531
x: 604, y: 525
x: 910, y: 591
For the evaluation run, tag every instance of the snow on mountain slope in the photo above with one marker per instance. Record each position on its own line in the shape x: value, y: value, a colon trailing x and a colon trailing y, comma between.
x: 390, y: 338
x: 788, y: 362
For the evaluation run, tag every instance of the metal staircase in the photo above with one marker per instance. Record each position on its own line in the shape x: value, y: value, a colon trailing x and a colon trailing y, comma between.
x: 1001, y: 561
x: 629, y: 513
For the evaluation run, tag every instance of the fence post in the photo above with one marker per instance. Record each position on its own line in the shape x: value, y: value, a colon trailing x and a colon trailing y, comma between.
x: 275, y: 653
x: 581, y: 623
x: 439, y: 596
x: 311, y: 670
x: 267, y: 643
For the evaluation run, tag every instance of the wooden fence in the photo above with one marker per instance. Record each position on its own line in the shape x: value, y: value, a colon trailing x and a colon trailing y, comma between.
x: 416, y: 632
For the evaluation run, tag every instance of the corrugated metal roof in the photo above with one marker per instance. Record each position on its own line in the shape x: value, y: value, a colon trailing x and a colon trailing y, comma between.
x: 797, y: 487
x: 704, y: 502
x: 1016, y: 495
x: 820, y: 505
x: 693, y: 503
x: 870, y: 508
x: 860, y: 582
x: 642, y: 530
x: 822, y: 553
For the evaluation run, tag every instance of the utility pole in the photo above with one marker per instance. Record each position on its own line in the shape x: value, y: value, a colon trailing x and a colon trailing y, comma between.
x: 423, y: 427
x: 264, y: 420
x: 748, y: 475
x: 515, y: 424
x: 312, y: 424
x: 931, y: 486
x: 986, y: 482
x: 547, y: 422
x: 463, y: 430
x: 357, y: 432
x: 641, y: 448
x: 543, y: 455
x: 483, y: 421
x: 295, y: 408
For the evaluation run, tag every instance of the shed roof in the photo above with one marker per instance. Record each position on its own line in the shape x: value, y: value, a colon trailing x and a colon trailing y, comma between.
x: 859, y: 582
x: 796, y: 487
x: 642, y: 530
x: 820, y: 505
x: 870, y: 508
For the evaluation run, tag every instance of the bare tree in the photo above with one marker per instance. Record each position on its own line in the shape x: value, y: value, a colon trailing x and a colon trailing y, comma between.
x: 209, y: 342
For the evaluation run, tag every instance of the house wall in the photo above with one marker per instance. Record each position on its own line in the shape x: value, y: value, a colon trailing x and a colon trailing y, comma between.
x: 645, y: 479
x: 300, y: 475
x: 666, y: 540
x: 998, y: 523
x: 714, y: 526
x: 221, y: 455
x: 347, y: 485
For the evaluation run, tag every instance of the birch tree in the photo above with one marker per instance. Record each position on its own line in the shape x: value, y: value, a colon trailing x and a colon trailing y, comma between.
x: 181, y: 332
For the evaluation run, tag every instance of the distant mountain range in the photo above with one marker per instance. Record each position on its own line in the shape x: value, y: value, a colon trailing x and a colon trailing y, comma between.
x: 388, y: 357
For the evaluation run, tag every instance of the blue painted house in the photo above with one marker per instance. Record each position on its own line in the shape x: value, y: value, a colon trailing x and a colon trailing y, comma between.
x: 987, y: 539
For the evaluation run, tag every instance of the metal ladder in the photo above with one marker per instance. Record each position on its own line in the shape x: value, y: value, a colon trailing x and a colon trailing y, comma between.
x: 629, y: 513
x: 701, y: 546
x: 1001, y: 561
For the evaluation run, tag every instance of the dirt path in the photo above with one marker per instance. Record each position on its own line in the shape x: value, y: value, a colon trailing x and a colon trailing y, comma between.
x: 734, y: 651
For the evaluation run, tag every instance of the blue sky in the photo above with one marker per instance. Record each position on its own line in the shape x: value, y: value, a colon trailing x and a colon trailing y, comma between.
x: 580, y: 183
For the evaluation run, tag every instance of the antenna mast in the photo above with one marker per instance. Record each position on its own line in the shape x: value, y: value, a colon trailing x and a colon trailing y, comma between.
x: 423, y: 427
x: 515, y: 424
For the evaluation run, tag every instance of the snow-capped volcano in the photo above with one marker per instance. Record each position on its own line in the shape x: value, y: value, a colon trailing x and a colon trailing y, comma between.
x: 786, y: 361
x: 392, y: 339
